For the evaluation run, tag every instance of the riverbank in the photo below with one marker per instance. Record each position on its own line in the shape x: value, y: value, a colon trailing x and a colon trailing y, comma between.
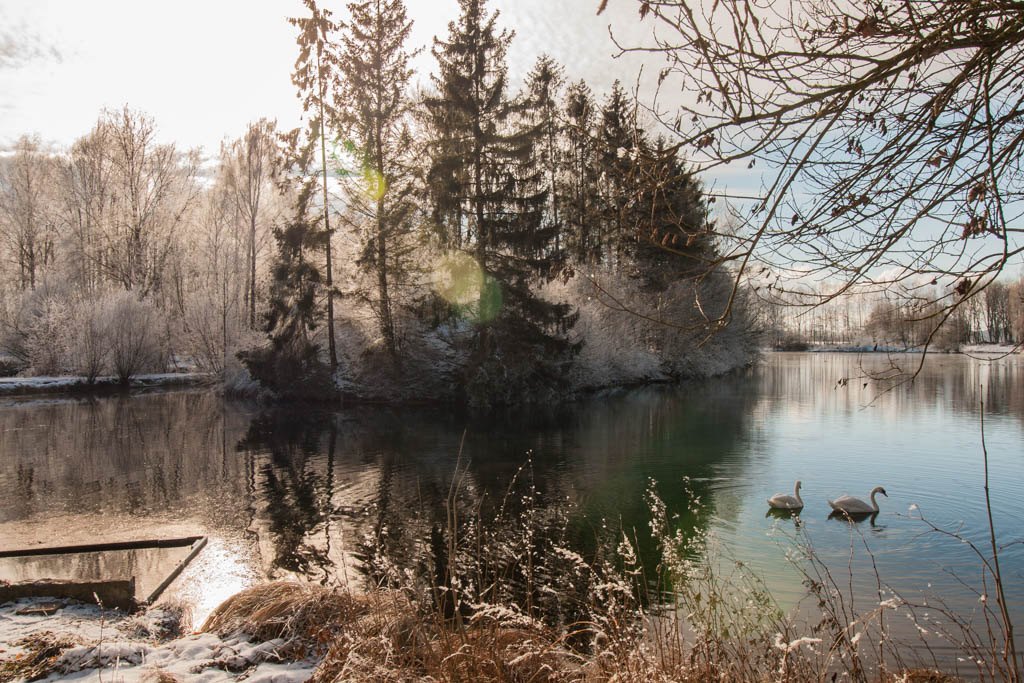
x: 287, y: 631
x: 968, y: 349
x: 44, y: 639
x: 68, y: 384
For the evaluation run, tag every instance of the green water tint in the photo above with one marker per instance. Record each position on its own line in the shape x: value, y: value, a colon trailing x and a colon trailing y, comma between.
x: 307, y: 488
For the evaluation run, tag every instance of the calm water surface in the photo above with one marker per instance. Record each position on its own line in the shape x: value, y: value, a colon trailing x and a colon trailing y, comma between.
x: 294, y: 493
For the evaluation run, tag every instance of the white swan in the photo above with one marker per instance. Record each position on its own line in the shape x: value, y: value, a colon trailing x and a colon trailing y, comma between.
x: 855, y: 506
x: 782, y: 501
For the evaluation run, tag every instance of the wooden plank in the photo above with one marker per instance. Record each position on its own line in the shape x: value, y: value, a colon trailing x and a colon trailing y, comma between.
x: 104, y: 547
x: 199, y: 544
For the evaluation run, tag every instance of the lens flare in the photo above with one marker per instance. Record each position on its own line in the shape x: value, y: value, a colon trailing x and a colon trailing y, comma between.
x: 460, y: 280
x: 374, y: 185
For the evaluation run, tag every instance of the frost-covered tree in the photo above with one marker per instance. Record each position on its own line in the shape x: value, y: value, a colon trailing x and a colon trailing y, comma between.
x: 315, y: 76
x: 373, y: 105
x: 152, y: 192
x: 27, y: 208
x: 87, y: 191
x: 249, y: 170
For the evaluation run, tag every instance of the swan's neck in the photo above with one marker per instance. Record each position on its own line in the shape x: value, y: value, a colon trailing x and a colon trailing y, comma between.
x: 796, y: 494
x: 874, y: 503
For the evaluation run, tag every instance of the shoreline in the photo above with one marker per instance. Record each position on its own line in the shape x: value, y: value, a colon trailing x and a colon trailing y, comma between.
x: 72, y: 385
x: 965, y: 350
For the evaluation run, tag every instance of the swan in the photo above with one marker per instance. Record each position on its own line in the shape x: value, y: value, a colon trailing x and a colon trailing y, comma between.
x: 855, y: 506
x: 782, y: 501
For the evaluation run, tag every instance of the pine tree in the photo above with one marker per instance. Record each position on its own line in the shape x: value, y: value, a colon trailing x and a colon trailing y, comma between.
x: 315, y: 77
x: 373, y: 105
x: 543, y: 86
x: 579, y: 201
x: 485, y: 162
x: 291, y: 365
x: 619, y: 142
x: 671, y: 238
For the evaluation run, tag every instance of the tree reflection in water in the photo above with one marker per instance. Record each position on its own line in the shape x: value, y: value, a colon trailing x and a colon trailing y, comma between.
x: 295, y: 496
x: 510, y: 510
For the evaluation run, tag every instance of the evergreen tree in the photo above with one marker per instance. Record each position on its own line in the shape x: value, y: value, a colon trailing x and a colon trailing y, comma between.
x: 373, y: 105
x: 487, y: 164
x: 619, y: 144
x: 291, y: 365
x: 579, y: 201
x: 543, y: 86
x: 315, y: 76
x: 671, y: 237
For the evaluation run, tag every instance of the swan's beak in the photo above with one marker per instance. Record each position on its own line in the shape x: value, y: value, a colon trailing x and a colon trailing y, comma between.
x: 884, y: 493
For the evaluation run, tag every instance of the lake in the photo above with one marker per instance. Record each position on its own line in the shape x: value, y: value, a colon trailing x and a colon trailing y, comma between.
x: 284, y: 492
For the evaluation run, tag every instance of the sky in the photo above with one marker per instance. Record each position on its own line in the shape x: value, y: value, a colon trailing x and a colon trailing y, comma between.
x: 203, y: 69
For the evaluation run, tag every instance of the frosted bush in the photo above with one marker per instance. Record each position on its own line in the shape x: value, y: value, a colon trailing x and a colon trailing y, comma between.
x: 133, y: 328
x: 212, y: 331
x: 47, y: 336
x: 36, y: 324
x: 632, y: 334
x: 88, y: 344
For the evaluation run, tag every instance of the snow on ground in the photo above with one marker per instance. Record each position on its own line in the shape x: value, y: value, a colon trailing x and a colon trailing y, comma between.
x: 991, y: 348
x: 43, y: 385
x: 110, y: 646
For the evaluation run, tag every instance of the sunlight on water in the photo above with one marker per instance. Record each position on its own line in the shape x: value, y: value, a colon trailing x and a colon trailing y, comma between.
x: 217, y: 573
x: 290, y: 493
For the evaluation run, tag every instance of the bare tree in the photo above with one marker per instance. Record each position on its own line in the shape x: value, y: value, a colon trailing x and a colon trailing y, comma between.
x: 27, y: 211
x: 86, y: 191
x: 132, y: 195
x: 889, y: 134
x: 250, y: 168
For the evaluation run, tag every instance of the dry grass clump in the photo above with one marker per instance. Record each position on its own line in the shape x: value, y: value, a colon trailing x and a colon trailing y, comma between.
x: 398, y: 642
x: 159, y: 676
x: 308, y: 616
x: 169, y: 619
x: 43, y: 651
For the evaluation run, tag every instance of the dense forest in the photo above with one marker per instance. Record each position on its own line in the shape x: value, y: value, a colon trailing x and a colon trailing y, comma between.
x: 462, y: 241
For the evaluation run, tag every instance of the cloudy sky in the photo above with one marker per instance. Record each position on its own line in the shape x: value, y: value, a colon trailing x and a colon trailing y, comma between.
x: 204, y: 68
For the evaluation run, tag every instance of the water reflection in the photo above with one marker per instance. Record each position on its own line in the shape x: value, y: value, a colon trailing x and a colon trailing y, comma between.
x: 337, y: 496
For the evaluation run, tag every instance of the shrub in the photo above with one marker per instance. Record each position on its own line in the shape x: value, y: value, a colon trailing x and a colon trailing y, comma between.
x: 88, y: 344
x: 134, y: 338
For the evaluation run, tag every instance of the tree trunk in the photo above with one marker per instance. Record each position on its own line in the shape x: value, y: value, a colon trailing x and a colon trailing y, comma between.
x: 332, y: 350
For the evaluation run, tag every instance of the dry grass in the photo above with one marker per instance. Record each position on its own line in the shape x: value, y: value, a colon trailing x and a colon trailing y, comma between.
x: 920, y: 676
x: 397, y: 641
x: 159, y: 676
x: 43, y: 651
x: 387, y: 636
x: 306, y: 615
x: 384, y: 636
